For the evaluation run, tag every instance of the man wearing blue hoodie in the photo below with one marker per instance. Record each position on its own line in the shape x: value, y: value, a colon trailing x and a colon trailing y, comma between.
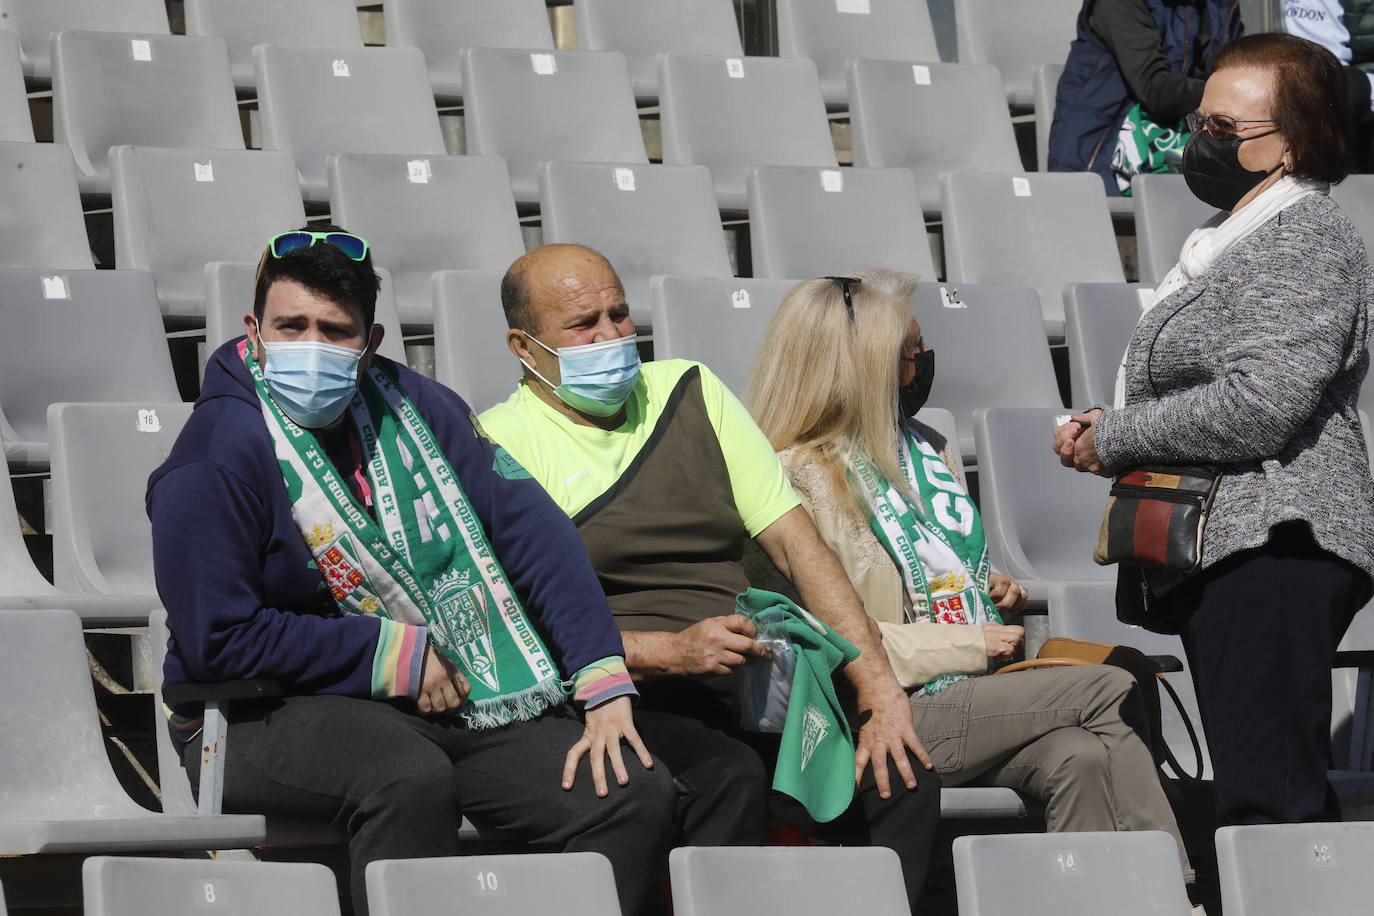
x: 331, y: 520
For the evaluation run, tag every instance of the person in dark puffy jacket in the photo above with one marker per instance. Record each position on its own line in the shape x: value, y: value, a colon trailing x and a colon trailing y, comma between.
x: 1154, y: 54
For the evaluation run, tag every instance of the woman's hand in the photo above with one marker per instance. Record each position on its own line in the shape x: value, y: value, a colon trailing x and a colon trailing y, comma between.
x: 1075, y: 442
x: 607, y: 725
x: 1085, y: 456
x: 1008, y: 594
x: 1002, y: 641
x: 442, y: 686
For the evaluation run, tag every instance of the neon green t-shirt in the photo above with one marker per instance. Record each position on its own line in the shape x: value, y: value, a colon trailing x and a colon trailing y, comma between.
x: 576, y: 464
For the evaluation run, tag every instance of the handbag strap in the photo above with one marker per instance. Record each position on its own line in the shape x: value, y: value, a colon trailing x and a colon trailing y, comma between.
x: 1174, y: 765
x: 1098, y: 653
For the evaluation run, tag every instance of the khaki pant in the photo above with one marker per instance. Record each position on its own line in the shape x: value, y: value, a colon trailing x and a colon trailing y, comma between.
x: 1069, y: 737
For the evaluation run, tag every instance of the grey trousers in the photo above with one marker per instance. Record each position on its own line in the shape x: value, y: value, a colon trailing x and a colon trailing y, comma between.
x: 1070, y: 737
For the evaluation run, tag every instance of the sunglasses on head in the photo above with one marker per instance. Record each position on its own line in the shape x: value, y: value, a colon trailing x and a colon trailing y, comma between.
x: 845, y: 283
x: 353, y: 246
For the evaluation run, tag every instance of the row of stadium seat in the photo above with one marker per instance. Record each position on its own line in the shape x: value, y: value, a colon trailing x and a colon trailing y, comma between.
x: 1265, y: 870
x: 121, y: 354
x: 177, y: 210
x: 60, y: 796
x: 526, y: 106
x: 1015, y: 35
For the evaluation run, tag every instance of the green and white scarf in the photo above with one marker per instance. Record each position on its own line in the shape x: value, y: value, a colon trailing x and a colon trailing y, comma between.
x: 938, y: 546
x: 1144, y: 146
x: 425, y: 560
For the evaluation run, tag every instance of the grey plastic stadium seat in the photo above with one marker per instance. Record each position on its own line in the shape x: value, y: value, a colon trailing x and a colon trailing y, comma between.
x: 244, y: 24
x: 930, y: 118
x: 23, y: 586
x: 1099, y: 319
x: 163, y: 887
x: 644, y: 29
x: 15, y: 123
x: 41, y: 223
x: 80, y: 335
x: 1087, y: 610
x: 834, y: 32
x: 1356, y: 197
x: 1045, y: 88
x: 1039, y: 230
x: 942, y: 421
x: 1273, y: 869
x: 728, y: 113
x: 1166, y: 212
x: 534, y: 106
x: 58, y: 793
x: 968, y: 325
x: 1042, y: 518
x: 36, y: 20
x: 1128, y: 873
x: 470, y: 352
x: 102, y: 455
x: 743, y: 881
x: 1017, y: 37
x: 443, y: 28
x: 813, y: 222
x: 175, y: 210
x: 142, y: 90
x: 427, y: 213
x: 719, y: 322
x: 229, y: 287
x: 311, y: 100
x: 646, y: 219
x: 570, y: 883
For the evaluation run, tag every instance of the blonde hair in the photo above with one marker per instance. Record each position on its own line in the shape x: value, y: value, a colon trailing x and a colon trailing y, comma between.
x: 827, y: 382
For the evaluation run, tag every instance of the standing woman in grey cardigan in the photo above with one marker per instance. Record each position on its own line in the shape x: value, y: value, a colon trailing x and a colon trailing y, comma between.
x: 1252, y: 360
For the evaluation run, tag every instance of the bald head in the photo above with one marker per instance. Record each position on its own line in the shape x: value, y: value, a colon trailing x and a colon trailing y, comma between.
x: 551, y: 274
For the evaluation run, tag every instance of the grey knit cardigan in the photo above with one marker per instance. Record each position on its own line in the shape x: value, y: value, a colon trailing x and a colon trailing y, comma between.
x: 1256, y: 366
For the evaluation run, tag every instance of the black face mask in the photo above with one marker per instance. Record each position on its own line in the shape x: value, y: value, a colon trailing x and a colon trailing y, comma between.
x: 1213, y: 171
x: 912, y: 396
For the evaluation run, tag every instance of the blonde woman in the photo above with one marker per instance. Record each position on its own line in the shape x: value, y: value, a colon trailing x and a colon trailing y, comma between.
x: 842, y: 370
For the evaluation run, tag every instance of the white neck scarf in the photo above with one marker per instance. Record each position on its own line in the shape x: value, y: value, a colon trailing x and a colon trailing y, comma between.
x: 1217, y: 236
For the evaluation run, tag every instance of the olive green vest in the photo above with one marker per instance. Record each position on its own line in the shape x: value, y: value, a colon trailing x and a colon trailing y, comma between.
x: 666, y: 539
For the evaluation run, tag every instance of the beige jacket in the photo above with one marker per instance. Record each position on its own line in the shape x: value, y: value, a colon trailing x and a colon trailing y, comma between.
x: 919, y: 652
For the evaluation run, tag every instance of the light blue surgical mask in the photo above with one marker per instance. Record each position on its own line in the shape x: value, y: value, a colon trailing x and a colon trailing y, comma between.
x: 311, y: 381
x: 597, y: 377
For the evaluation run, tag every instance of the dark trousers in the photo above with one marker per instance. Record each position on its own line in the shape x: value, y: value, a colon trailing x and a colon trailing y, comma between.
x: 1261, y: 634
x: 401, y: 784
x: 693, y: 732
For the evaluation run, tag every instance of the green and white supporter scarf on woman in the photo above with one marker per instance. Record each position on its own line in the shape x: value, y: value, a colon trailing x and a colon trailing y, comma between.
x: 425, y: 560
x: 939, y: 545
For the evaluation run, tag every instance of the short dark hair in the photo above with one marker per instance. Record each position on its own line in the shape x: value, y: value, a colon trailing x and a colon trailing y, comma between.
x: 325, y: 271
x: 1311, y: 99
x: 515, y: 298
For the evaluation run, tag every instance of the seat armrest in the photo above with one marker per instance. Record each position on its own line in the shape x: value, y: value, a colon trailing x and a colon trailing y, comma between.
x: 253, y: 689
x: 1362, y: 658
x: 1164, y: 664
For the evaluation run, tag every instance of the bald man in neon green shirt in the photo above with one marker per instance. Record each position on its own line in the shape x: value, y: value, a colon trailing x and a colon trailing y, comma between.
x: 665, y: 476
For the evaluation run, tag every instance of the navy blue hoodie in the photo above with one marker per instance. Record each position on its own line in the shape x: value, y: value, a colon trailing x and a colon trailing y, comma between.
x: 243, y: 597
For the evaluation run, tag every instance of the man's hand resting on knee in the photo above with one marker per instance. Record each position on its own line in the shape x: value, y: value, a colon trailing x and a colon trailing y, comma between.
x: 607, y: 725
x: 442, y: 687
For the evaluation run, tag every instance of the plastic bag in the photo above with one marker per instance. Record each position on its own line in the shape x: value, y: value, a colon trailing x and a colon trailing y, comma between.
x: 764, y: 685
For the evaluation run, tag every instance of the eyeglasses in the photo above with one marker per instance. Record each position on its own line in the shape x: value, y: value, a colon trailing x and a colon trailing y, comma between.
x: 353, y: 246
x: 845, y: 283
x: 1221, y: 127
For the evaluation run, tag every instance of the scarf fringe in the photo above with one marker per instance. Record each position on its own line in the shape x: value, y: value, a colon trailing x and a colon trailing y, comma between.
x: 521, y: 706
